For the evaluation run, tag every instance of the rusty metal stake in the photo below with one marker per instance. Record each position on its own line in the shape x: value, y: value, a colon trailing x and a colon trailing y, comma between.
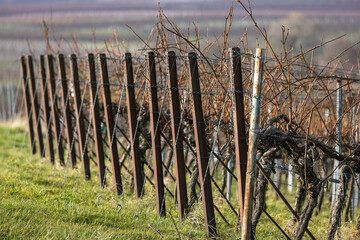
x: 46, y: 109
x: 96, y: 120
x: 54, y: 108
x: 132, y: 116
x: 35, y: 105
x: 109, y: 118
x: 155, y: 135
x: 67, y: 111
x: 84, y: 155
x: 201, y: 150
x: 239, y: 126
x: 27, y: 103
x: 253, y: 141
x: 177, y: 135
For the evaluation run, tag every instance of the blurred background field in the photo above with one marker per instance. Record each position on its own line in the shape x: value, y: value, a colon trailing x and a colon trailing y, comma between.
x: 309, y: 23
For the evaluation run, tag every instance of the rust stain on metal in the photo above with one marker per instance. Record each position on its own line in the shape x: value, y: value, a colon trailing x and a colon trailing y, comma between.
x: 177, y: 134
x: 110, y: 125
x: 80, y: 118
x: 27, y: 103
x: 35, y: 105
x: 132, y: 120
x: 46, y: 109
x: 54, y: 108
x: 239, y: 125
x: 202, y: 153
x: 94, y: 99
x: 155, y: 135
x: 67, y: 111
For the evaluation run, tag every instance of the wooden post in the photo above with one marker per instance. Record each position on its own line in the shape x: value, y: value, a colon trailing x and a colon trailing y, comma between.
x: 155, y: 135
x: 67, y: 111
x: 201, y: 150
x: 132, y: 116
x: 253, y: 141
x: 35, y: 105
x: 54, y: 108
x: 96, y: 120
x: 177, y: 135
x: 239, y: 125
x: 110, y: 125
x: 27, y: 103
x: 84, y: 155
x: 46, y: 109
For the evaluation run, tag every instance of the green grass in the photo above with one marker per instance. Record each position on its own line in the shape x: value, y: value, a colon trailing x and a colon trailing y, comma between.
x: 39, y: 201
x: 42, y: 201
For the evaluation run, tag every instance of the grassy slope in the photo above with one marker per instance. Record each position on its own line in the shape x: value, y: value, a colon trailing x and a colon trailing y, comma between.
x: 39, y: 201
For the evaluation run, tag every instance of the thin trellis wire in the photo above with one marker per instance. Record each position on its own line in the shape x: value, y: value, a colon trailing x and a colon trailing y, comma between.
x: 86, y: 138
x: 201, y: 57
x: 27, y: 119
x: 48, y: 127
x: 21, y: 109
x: 87, y: 132
x: 98, y: 84
x: 117, y: 71
x: 61, y: 125
x: 218, y: 60
x: 21, y: 106
x: 114, y: 137
x: 73, y: 139
x: 136, y: 132
x: 212, y: 94
x: 156, y: 129
x: 304, y: 187
x: 36, y: 90
x: 287, y: 169
x: 35, y: 93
